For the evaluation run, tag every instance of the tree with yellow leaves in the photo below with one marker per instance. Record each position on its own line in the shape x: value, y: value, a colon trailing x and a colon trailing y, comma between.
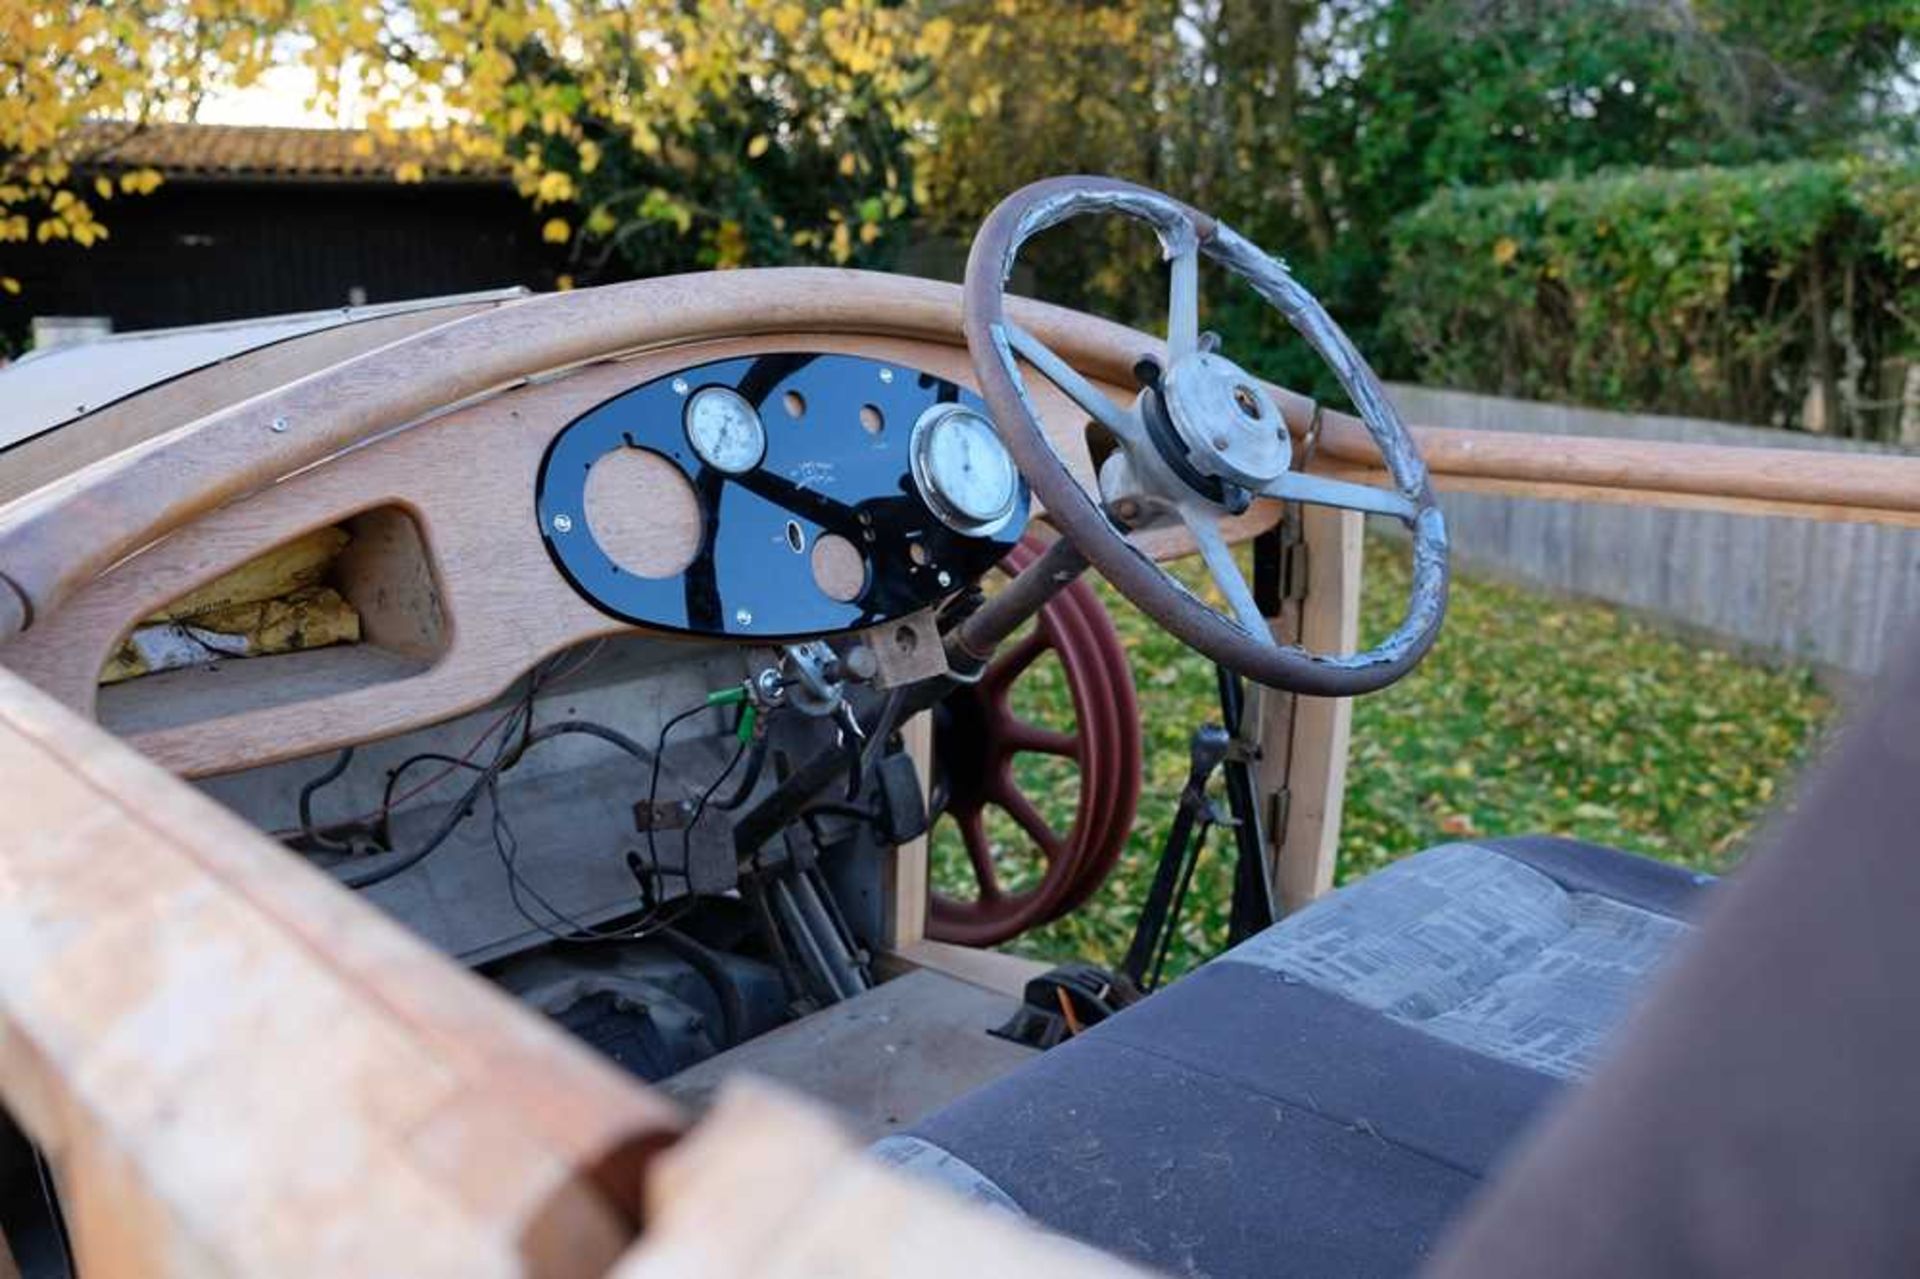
x: 652, y: 134
x: 658, y: 134
x: 78, y: 77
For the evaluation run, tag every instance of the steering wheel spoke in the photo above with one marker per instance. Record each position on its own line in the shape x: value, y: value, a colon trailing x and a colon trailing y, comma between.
x: 1299, y: 486
x: 1218, y: 557
x: 1183, y: 306
x: 1122, y: 421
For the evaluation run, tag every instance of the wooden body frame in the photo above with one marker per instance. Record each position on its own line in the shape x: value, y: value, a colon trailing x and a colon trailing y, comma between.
x: 238, y: 1068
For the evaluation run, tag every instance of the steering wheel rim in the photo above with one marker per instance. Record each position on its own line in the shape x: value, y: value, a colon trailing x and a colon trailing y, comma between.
x: 1213, y: 456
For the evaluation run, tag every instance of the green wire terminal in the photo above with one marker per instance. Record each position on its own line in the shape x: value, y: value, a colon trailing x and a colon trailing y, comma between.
x: 749, y: 712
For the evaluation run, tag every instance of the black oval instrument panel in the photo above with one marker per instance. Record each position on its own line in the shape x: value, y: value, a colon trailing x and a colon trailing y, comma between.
x: 824, y: 472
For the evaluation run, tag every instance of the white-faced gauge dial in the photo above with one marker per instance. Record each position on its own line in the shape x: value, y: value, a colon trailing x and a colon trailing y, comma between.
x: 963, y: 470
x: 724, y: 430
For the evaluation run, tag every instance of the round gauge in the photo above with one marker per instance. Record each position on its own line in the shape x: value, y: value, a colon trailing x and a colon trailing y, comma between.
x: 963, y: 470
x: 725, y: 430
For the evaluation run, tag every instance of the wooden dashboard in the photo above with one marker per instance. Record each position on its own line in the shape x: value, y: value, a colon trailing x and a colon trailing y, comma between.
x: 428, y: 449
x: 456, y: 592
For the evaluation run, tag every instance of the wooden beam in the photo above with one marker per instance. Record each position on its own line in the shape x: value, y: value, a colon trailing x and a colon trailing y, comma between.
x: 1317, y: 767
x: 906, y: 870
x: 1303, y: 740
x: 1666, y: 499
x: 988, y: 969
x: 237, y: 1067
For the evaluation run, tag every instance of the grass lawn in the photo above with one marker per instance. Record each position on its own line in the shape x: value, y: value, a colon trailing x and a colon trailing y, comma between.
x: 1532, y: 714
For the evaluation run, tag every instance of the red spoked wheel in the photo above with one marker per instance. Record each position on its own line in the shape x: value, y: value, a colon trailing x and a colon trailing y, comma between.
x: 978, y: 736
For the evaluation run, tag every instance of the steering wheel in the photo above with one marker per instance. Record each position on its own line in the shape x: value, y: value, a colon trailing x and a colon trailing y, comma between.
x: 1200, y: 442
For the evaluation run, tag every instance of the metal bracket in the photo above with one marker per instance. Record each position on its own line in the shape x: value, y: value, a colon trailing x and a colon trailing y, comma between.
x: 1293, y: 564
x: 1279, y: 805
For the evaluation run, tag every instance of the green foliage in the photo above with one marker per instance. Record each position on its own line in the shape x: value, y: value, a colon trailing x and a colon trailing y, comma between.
x: 1311, y: 125
x: 1531, y: 715
x: 1728, y: 293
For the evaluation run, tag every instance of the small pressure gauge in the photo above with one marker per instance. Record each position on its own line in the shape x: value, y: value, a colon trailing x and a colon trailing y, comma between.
x: 963, y: 470
x: 724, y: 430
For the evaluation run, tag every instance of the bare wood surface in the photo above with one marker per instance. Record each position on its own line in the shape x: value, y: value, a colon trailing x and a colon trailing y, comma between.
x: 905, y: 872
x: 881, y: 1061
x: 237, y: 1068
x: 768, y: 1186
x: 1664, y: 499
x: 1862, y: 488
x: 643, y: 512
x: 989, y: 969
x: 387, y: 575
x: 1316, y: 766
x: 57, y: 538
x: 124, y: 423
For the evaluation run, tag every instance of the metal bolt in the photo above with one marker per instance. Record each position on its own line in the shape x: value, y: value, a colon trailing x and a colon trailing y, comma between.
x: 944, y: 578
x: 862, y: 662
x: 886, y: 375
x: 278, y: 425
x: 741, y: 617
x: 680, y: 386
x: 563, y: 524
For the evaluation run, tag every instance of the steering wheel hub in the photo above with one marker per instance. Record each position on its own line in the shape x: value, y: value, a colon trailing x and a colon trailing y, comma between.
x: 1229, y: 424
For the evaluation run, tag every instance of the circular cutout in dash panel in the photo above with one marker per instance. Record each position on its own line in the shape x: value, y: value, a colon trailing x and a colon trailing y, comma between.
x: 824, y: 473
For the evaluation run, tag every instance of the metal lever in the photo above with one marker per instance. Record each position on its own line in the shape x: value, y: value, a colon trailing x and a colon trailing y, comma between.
x: 1192, y: 821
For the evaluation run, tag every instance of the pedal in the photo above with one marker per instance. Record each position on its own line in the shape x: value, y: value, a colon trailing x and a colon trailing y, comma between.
x: 1064, y: 1002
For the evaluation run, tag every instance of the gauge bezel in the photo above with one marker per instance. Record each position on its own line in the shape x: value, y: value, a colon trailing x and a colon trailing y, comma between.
x: 942, y: 507
x: 717, y: 390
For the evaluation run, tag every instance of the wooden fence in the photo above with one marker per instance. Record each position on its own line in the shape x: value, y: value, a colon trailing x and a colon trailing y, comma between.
x: 1840, y: 596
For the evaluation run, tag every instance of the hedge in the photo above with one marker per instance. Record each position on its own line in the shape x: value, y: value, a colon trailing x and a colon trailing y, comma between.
x: 1785, y: 295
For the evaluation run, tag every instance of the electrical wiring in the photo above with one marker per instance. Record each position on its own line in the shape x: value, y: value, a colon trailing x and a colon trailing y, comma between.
x: 367, y: 872
x: 506, y: 846
x: 653, y: 781
x: 314, y: 787
x: 538, y: 681
x: 756, y: 761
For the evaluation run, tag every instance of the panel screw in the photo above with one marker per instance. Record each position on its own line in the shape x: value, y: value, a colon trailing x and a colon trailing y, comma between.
x: 563, y: 524
x: 679, y: 386
x: 886, y: 375
x: 741, y: 617
x: 278, y: 425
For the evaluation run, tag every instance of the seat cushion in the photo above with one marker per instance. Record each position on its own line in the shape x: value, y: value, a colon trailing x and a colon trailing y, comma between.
x: 1484, y: 946
x: 1323, y: 1098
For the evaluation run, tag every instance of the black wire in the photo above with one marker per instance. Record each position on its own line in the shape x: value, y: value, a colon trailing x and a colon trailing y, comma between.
x: 507, y: 848
x: 385, y: 830
x: 514, y: 746
x: 314, y: 787
x: 653, y: 787
x: 700, y: 809
x: 749, y: 779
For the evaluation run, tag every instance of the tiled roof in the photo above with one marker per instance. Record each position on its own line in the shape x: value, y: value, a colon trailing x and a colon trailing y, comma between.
x: 254, y: 151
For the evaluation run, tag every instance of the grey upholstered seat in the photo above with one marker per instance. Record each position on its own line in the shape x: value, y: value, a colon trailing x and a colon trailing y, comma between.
x: 1322, y: 1098
x: 1475, y: 945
